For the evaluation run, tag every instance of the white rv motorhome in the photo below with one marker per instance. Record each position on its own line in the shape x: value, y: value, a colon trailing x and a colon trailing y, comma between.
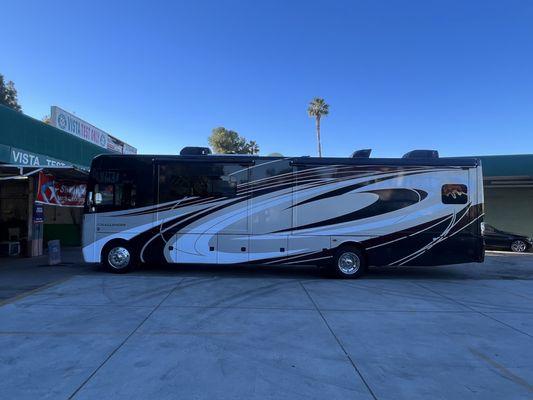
x: 342, y: 213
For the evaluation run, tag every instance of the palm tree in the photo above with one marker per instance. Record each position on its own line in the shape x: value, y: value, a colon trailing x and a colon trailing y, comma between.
x: 317, y: 108
x: 253, y: 147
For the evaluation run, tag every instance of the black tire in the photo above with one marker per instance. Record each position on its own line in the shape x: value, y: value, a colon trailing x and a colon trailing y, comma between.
x: 518, y: 246
x: 347, y: 256
x: 119, y: 257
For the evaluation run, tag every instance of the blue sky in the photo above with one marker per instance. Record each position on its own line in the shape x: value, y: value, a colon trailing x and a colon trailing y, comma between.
x: 456, y: 76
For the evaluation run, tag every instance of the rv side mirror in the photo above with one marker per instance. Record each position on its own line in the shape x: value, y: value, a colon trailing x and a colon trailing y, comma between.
x: 97, y: 198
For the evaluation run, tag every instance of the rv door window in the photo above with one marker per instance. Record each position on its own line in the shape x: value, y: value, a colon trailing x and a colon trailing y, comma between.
x: 106, y: 193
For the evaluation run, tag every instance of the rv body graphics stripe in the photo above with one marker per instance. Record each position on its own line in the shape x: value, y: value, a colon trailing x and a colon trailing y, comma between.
x: 349, y: 188
x: 298, y: 183
x: 450, y: 223
x: 445, y: 235
x: 445, y: 224
x: 388, y: 200
x: 185, y: 202
x: 176, y: 223
x: 451, y: 226
x: 334, y: 170
x: 404, y: 234
x: 216, y: 224
x: 310, y: 259
x: 432, y: 243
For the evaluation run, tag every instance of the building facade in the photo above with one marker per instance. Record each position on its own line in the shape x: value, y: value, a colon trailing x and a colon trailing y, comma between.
x: 33, y: 153
x: 508, y: 182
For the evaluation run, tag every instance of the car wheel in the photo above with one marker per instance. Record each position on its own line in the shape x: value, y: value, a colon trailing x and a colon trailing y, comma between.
x: 348, y: 263
x: 518, y: 246
x: 118, y: 258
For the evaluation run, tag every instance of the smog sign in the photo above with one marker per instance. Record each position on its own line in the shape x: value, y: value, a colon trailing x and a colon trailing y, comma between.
x: 127, y: 149
x: 76, y: 126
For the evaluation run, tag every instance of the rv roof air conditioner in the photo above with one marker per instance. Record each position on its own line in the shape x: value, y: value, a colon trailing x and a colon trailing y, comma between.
x: 422, y: 154
x: 363, y: 153
x: 195, y: 151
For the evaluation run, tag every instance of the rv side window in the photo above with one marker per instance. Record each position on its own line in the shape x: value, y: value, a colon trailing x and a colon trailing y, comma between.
x: 453, y: 193
x: 107, y: 194
x: 119, y: 183
x: 113, y: 196
x: 181, y: 180
x: 119, y: 189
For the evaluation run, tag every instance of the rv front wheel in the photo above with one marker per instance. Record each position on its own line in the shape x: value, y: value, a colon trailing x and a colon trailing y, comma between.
x: 118, y: 258
x: 349, y: 263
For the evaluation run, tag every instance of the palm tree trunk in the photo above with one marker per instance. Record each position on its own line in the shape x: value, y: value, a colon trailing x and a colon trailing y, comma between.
x: 318, y: 136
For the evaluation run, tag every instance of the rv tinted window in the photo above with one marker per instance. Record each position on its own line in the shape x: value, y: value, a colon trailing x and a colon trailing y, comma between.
x: 453, y: 193
x: 107, y: 193
x: 116, y: 196
x: 122, y: 184
x: 181, y: 180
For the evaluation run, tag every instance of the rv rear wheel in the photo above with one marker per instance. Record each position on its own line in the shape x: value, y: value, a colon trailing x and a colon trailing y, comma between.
x: 118, y: 258
x: 348, y: 263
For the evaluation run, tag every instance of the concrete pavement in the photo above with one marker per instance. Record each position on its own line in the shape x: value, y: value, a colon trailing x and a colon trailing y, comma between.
x: 255, y: 333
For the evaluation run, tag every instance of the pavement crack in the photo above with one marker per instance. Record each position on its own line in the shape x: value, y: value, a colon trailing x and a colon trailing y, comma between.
x: 124, y: 341
x: 339, y: 343
x: 506, y: 373
x: 476, y: 311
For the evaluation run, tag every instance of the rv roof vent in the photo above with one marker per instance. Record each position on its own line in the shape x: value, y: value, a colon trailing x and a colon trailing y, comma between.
x: 422, y: 154
x: 363, y: 153
x: 195, y: 151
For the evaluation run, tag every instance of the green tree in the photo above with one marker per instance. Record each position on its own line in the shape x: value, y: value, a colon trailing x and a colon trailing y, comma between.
x: 8, y: 94
x: 225, y: 141
x: 318, y: 108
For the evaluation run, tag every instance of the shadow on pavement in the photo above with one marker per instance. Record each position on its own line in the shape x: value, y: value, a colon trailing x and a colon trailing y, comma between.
x: 496, y: 266
x: 21, y: 275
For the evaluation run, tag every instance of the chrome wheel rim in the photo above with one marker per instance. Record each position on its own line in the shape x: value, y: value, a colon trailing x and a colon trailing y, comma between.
x: 119, y: 257
x: 349, y: 263
x: 518, y: 246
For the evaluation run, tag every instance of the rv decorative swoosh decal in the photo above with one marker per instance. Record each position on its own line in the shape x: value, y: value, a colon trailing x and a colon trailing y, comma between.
x: 388, y: 200
x: 349, y: 188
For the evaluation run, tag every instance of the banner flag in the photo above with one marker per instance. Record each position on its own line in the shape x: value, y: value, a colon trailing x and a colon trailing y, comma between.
x: 60, y: 193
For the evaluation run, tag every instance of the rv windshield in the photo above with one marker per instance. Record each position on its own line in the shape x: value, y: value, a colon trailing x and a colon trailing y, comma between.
x: 112, y: 189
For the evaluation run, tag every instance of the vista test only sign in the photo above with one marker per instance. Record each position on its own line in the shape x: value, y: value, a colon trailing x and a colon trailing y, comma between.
x: 70, y: 123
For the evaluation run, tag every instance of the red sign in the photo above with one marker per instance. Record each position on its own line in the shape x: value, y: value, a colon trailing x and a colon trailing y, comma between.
x: 60, y: 193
